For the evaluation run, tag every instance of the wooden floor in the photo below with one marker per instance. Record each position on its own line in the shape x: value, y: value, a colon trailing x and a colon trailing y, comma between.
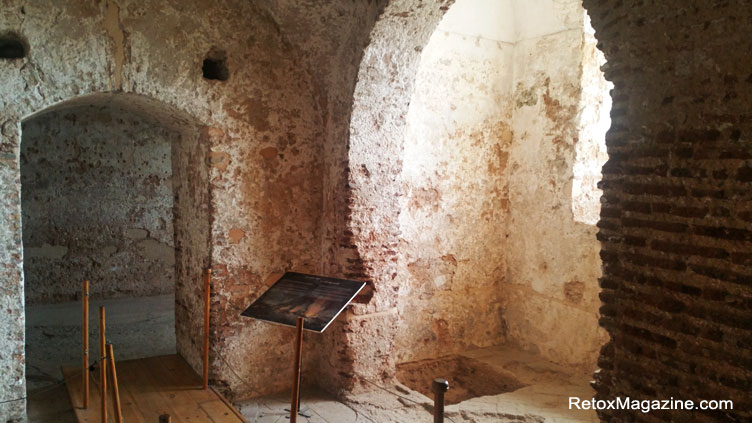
x: 150, y: 387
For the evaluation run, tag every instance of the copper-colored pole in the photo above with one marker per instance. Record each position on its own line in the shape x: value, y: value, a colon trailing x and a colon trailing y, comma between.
x: 207, y: 306
x: 113, y: 376
x: 102, y: 366
x: 296, y: 373
x: 85, y: 341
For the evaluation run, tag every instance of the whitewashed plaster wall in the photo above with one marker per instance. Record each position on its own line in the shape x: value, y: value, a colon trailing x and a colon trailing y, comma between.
x: 595, y: 120
x: 455, y: 203
x: 550, y: 296
x: 490, y: 252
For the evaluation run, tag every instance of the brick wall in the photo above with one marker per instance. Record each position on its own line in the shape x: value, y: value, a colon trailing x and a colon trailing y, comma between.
x: 676, y: 220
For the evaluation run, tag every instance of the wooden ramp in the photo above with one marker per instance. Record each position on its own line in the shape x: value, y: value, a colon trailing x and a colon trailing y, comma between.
x: 150, y: 387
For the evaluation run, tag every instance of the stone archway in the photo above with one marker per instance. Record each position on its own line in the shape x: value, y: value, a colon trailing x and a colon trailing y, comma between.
x: 382, y: 101
x: 257, y: 143
x: 363, y: 345
x: 189, y: 212
x: 672, y: 289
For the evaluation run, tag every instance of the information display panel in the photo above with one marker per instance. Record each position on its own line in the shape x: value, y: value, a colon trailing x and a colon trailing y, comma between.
x: 317, y: 299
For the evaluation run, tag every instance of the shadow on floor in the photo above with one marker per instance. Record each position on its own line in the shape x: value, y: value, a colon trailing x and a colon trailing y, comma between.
x: 50, y: 404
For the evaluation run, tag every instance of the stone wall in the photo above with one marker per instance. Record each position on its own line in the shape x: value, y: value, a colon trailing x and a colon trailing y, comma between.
x: 191, y: 161
x: 291, y: 164
x: 96, y: 191
x: 368, y: 239
x: 249, y: 197
x: 675, y: 219
x: 550, y: 298
x: 487, y: 249
x: 454, y: 195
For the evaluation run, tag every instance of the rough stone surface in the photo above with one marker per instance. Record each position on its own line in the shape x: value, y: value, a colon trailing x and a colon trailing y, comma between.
x: 147, y: 56
x: 96, y: 191
x: 544, y: 398
x: 675, y: 218
x: 360, y: 242
x: 298, y: 161
x: 468, y: 378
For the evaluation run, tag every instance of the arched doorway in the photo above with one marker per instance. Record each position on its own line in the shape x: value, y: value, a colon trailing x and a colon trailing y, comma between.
x: 115, y: 191
x: 462, y: 156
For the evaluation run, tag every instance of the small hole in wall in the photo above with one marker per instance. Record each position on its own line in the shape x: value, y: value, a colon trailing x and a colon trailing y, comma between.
x: 11, y: 47
x: 215, y: 66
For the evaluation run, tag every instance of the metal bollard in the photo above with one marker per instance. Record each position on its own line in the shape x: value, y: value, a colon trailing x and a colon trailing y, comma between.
x: 439, y: 387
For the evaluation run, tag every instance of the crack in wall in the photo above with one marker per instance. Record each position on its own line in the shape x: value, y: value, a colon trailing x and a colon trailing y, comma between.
x: 114, y: 29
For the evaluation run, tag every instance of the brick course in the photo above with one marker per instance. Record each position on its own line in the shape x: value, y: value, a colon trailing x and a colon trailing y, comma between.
x: 675, y: 223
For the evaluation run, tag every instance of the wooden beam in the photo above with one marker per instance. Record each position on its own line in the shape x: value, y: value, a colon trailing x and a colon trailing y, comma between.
x: 113, y: 376
x: 207, y: 309
x: 102, y: 366
x: 296, y: 371
x: 229, y: 405
x: 85, y: 347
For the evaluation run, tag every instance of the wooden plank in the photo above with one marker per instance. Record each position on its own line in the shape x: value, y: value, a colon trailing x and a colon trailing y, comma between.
x: 169, y: 396
x: 128, y: 401
x: 102, y: 366
x: 148, y: 402
x: 184, y: 379
x: 154, y: 386
x: 207, y: 310
x: 229, y: 405
x: 295, y: 397
x: 85, y: 342
x: 115, y: 390
x: 211, y: 402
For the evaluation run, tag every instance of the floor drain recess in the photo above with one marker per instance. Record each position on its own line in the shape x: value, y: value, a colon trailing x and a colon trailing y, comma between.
x: 468, y: 378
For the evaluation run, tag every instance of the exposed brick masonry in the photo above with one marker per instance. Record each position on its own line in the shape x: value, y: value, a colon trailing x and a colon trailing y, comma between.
x: 675, y: 222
